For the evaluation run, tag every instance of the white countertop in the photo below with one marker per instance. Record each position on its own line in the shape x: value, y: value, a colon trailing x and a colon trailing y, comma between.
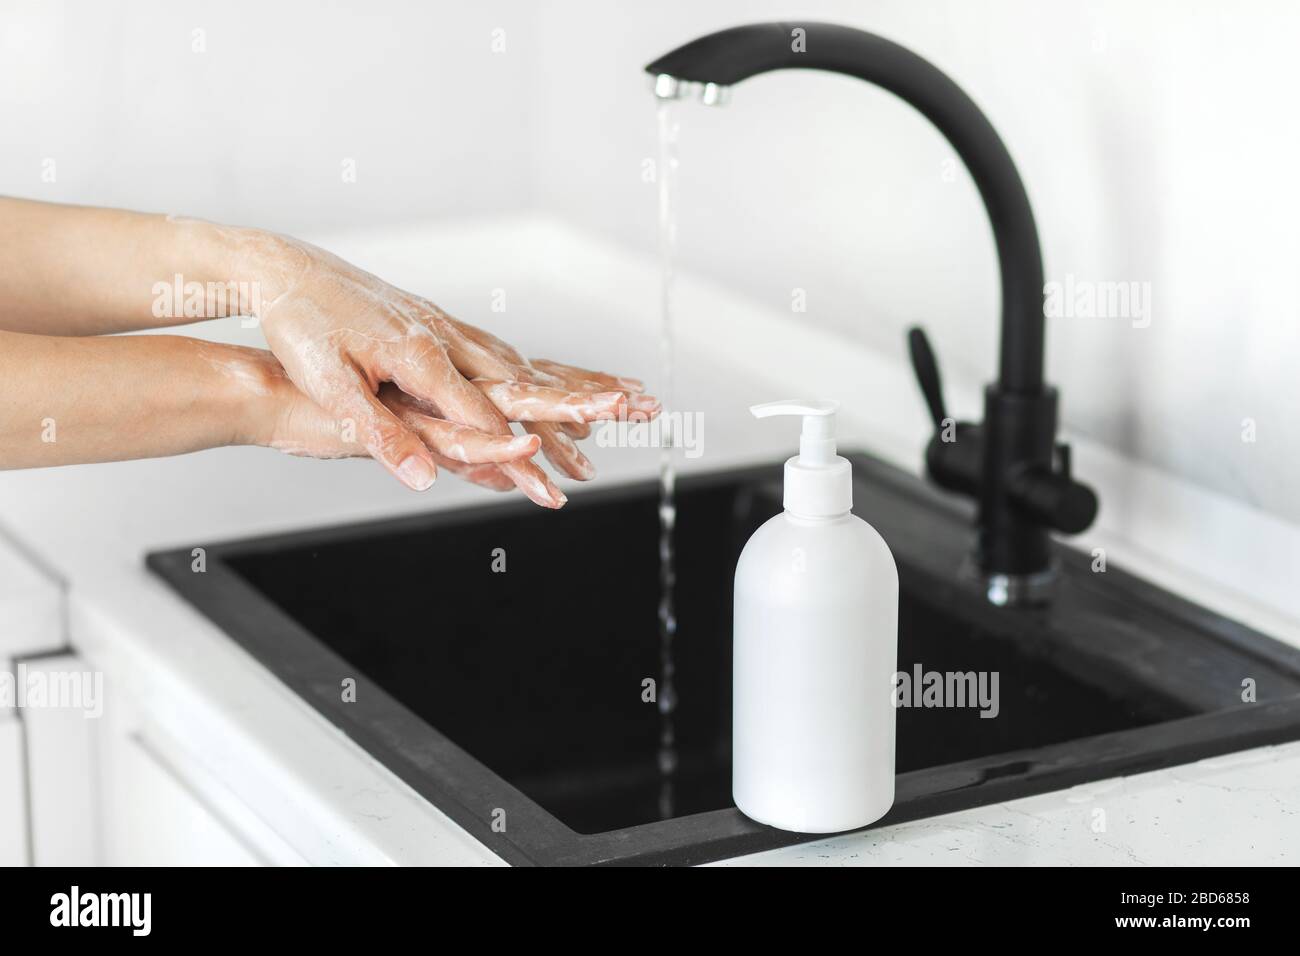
x: 200, y: 700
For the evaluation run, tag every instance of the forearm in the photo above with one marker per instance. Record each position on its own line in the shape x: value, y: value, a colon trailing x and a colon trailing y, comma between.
x: 75, y: 400
x: 76, y: 270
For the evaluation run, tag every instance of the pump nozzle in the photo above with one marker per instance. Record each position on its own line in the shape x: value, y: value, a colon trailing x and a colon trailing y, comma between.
x: 817, y: 482
x: 817, y: 438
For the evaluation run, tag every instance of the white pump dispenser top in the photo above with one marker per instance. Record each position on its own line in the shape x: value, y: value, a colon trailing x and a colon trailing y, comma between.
x: 818, y: 483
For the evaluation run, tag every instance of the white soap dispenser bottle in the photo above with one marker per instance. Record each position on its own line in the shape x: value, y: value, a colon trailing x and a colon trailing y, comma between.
x: 815, y: 649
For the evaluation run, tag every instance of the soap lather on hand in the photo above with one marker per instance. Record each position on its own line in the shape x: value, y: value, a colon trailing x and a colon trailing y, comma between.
x: 356, y: 367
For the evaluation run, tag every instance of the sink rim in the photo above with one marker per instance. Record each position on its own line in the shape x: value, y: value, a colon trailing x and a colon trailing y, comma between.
x: 460, y: 785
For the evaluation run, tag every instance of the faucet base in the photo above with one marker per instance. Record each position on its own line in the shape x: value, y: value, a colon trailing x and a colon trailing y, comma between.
x: 1014, y: 590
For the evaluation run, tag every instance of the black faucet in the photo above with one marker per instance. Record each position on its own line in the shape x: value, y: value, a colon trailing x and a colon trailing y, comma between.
x: 1011, y: 463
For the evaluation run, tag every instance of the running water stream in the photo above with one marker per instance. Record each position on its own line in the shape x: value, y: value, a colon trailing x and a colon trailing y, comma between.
x: 667, y: 691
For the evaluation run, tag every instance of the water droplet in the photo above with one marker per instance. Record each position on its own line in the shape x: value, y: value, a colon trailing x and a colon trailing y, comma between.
x: 667, y: 761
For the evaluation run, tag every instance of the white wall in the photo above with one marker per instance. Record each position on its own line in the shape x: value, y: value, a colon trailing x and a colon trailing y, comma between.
x: 256, y: 128
x: 1158, y: 141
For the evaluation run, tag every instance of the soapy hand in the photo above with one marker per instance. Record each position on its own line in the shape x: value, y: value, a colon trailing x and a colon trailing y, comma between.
x: 284, y: 418
x: 342, y: 334
x: 363, y: 367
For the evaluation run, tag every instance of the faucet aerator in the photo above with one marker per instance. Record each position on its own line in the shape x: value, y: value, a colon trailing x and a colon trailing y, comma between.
x: 668, y: 87
x: 712, y: 94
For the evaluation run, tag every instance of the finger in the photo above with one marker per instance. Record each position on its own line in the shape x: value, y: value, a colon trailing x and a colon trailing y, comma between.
x: 488, y: 476
x: 561, y: 452
x: 479, y: 354
x: 473, y: 360
x: 571, y: 372
x: 384, y: 436
x: 640, y: 407
x: 521, y: 402
x: 638, y: 403
x: 457, y: 442
x: 534, y: 483
x: 469, y: 445
x: 646, y: 406
x: 427, y: 373
x: 502, y: 349
x: 578, y: 430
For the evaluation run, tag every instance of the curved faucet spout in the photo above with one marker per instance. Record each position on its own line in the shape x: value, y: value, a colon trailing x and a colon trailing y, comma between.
x: 1011, y: 462
x: 725, y: 58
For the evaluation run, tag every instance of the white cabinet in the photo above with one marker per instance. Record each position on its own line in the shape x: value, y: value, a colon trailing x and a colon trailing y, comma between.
x: 109, y: 787
x: 81, y: 780
x: 61, y: 734
x: 31, y: 607
x: 158, y: 817
x: 31, y: 622
x: 13, y: 793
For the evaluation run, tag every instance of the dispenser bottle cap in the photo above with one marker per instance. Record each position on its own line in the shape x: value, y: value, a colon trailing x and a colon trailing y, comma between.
x: 818, y: 483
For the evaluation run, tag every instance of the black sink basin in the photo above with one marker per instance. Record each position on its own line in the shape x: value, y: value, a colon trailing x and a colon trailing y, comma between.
x: 516, y: 696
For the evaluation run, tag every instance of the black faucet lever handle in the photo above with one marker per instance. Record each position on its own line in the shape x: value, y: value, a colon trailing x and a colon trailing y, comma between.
x: 927, y: 374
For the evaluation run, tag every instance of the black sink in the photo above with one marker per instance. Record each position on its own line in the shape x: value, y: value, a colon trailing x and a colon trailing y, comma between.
x: 520, y: 692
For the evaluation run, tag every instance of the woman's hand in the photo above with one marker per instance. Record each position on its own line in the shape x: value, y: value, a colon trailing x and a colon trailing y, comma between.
x: 287, y: 420
x: 298, y: 426
x: 341, y: 334
x: 146, y: 396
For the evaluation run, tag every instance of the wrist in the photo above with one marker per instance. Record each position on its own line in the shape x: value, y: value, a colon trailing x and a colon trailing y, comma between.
x: 242, y: 269
x: 268, y: 410
x: 270, y: 262
x: 252, y: 388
